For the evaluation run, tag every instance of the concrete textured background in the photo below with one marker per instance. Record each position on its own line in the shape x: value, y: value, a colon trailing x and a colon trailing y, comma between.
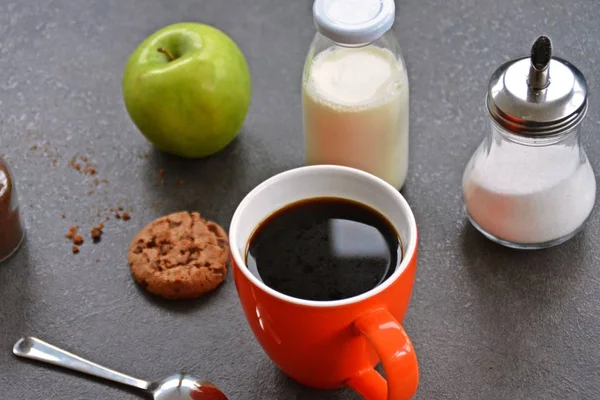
x: 487, y: 322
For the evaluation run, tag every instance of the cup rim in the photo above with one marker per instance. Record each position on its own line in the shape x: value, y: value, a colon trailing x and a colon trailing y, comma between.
x: 409, y: 254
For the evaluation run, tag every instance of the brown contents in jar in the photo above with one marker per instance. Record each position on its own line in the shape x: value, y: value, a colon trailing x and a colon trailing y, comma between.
x: 11, y: 229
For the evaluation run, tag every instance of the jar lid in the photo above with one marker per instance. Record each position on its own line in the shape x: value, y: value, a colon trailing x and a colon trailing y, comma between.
x: 539, y: 95
x: 353, y: 22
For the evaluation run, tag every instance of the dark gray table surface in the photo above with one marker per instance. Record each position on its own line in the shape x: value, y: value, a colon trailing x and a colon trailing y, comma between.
x: 487, y: 322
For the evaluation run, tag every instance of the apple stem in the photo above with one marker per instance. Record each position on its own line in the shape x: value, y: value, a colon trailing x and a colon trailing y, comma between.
x: 166, y: 52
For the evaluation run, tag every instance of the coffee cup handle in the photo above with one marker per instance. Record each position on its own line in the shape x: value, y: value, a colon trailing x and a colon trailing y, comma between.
x: 397, y: 356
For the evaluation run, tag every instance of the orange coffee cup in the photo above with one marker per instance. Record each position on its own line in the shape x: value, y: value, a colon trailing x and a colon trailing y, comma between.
x: 332, y: 344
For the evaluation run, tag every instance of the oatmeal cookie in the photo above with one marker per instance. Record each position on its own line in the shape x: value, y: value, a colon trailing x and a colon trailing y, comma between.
x: 180, y: 256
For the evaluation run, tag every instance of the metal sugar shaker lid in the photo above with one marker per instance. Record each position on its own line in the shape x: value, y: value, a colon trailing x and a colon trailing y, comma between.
x: 539, y: 95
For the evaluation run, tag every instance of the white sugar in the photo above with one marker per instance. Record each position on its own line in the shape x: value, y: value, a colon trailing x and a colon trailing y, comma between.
x: 529, y: 195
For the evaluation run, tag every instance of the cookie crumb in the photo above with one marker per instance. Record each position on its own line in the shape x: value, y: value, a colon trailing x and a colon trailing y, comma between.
x: 72, y: 232
x: 83, y: 165
x: 117, y: 215
x: 120, y: 208
x: 96, y: 232
x: 75, y: 249
x: 78, y: 240
x: 126, y: 217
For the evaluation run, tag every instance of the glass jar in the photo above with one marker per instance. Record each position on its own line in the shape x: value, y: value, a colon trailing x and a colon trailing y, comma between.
x: 530, y: 185
x: 355, y: 91
x: 11, y: 228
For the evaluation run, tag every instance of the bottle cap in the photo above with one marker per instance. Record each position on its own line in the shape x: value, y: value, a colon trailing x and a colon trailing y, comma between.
x: 353, y: 22
x: 538, y: 95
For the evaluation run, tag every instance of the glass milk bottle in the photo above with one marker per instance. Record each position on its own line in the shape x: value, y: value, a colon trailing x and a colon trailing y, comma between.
x: 355, y: 90
x: 530, y: 185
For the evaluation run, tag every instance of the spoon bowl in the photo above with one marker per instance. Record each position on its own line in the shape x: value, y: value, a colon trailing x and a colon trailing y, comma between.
x: 174, y: 387
x: 184, y: 387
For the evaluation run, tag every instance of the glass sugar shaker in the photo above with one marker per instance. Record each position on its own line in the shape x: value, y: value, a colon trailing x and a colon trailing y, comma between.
x: 11, y: 227
x: 355, y: 90
x: 530, y: 185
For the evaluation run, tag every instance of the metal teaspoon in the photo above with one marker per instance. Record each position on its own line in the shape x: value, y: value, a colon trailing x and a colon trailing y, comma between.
x: 175, y: 387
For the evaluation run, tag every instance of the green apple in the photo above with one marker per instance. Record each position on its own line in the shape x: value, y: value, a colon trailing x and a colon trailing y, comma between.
x: 187, y: 89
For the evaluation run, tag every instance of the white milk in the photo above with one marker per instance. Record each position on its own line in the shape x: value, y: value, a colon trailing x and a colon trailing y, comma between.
x: 355, y: 108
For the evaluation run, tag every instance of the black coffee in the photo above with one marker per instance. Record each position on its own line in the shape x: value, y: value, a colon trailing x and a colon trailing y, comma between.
x: 324, y: 249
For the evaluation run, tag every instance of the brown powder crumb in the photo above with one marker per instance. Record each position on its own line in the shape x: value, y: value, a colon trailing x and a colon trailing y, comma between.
x: 63, y: 216
x: 72, y: 232
x: 78, y: 240
x: 75, y: 249
x: 81, y: 164
x: 117, y: 215
x: 54, y: 162
x: 34, y: 147
x: 96, y: 181
x: 74, y: 164
x: 120, y: 208
x: 96, y: 232
x: 126, y: 216
x: 96, y: 235
x: 90, y: 192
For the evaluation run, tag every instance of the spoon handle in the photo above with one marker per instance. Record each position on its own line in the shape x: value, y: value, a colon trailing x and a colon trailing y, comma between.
x: 36, y: 349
